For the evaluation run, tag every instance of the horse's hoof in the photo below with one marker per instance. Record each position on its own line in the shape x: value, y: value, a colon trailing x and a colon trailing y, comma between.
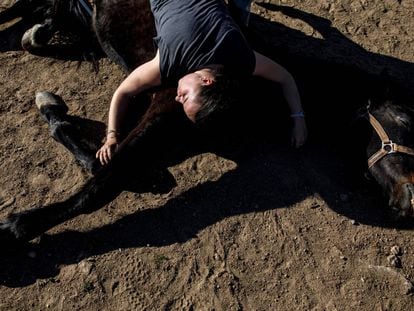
x: 29, y: 42
x: 49, y: 101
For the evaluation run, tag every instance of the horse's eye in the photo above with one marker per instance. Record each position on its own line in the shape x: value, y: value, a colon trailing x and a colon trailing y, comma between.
x: 403, y: 121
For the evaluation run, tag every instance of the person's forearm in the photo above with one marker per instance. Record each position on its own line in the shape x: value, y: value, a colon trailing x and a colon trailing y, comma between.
x: 269, y: 69
x: 291, y: 93
x: 117, y: 110
x: 142, y: 78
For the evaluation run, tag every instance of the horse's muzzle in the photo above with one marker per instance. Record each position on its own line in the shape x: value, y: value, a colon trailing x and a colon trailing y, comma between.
x: 403, y: 202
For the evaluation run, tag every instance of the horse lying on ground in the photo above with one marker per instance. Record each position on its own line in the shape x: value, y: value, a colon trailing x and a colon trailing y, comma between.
x: 164, y: 123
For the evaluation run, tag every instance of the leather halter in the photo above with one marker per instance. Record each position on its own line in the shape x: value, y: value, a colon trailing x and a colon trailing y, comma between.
x: 388, y: 146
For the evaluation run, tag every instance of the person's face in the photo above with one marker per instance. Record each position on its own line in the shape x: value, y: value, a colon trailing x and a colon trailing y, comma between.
x: 188, y: 90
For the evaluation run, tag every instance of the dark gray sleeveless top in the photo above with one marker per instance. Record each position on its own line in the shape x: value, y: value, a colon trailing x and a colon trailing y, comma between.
x: 192, y: 34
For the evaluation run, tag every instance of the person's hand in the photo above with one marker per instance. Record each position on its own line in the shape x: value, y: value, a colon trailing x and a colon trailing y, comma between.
x: 299, y: 132
x: 105, y: 153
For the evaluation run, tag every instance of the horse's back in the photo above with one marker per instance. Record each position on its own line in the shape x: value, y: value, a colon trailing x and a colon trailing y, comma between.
x: 125, y: 30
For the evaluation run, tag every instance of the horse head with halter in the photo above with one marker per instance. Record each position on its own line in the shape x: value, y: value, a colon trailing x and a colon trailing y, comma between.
x: 395, y: 175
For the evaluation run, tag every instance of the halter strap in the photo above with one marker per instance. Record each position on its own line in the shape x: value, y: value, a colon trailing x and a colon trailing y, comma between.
x: 387, y: 145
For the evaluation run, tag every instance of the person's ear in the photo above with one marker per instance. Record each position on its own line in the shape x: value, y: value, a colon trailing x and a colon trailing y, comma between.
x: 207, y: 81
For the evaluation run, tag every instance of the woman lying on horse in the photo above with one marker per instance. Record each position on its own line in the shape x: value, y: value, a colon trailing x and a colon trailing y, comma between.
x: 202, y: 51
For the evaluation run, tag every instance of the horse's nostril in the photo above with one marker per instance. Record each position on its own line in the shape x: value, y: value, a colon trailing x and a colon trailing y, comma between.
x: 410, y: 192
x: 412, y: 195
x: 402, y: 200
x: 410, y: 188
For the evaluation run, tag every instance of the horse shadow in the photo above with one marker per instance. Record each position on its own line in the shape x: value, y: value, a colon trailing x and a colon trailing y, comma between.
x: 269, y: 175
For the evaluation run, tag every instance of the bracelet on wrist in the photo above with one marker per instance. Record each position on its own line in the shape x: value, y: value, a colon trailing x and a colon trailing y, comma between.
x: 300, y: 114
x: 112, y: 133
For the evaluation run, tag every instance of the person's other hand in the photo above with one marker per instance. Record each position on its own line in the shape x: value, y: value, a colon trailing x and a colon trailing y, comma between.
x: 105, y: 153
x: 299, y: 132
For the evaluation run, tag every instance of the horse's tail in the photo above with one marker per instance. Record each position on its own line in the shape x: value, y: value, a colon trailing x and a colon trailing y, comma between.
x: 110, y: 51
x: 104, y: 34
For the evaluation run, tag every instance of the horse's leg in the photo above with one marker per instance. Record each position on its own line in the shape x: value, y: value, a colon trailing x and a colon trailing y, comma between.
x: 35, y: 39
x: 24, y: 226
x: 99, y: 190
x: 140, y: 150
x: 53, y: 110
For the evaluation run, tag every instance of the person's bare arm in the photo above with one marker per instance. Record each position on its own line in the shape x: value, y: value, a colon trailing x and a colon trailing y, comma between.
x: 269, y: 69
x: 142, y: 78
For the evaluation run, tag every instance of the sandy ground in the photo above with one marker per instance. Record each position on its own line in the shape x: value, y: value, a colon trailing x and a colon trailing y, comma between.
x: 281, y: 230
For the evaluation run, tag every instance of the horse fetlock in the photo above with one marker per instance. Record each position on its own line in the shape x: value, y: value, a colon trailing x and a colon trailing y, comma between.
x: 35, y: 38
x: 47, y: 101
x: 51, y: 107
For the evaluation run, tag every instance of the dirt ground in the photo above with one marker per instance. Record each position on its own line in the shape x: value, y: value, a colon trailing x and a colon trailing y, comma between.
x: 275, y: 232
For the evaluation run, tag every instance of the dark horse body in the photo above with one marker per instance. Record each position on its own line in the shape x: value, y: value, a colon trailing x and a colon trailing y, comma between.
x: 164, y: 123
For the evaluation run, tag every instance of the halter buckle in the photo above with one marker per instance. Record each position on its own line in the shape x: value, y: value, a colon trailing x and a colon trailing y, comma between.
x: 388, y: 146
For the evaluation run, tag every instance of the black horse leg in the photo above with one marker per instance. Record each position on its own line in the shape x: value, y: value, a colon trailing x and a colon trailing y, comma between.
x: 53, y: 110
x: 35, y: 39
x: 140, y: 151
x: 22, y: 227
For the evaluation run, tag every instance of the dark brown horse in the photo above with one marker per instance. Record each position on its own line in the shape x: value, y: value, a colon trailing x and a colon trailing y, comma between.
x: 164, y: 123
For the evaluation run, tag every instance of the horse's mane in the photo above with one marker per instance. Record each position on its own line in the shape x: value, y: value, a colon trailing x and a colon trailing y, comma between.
x: 399, y: 113
x: 81, y: 10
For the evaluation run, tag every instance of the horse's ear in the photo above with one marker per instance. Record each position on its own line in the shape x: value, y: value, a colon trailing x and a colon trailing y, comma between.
x: 360, y: 114
x: 366, y: 109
